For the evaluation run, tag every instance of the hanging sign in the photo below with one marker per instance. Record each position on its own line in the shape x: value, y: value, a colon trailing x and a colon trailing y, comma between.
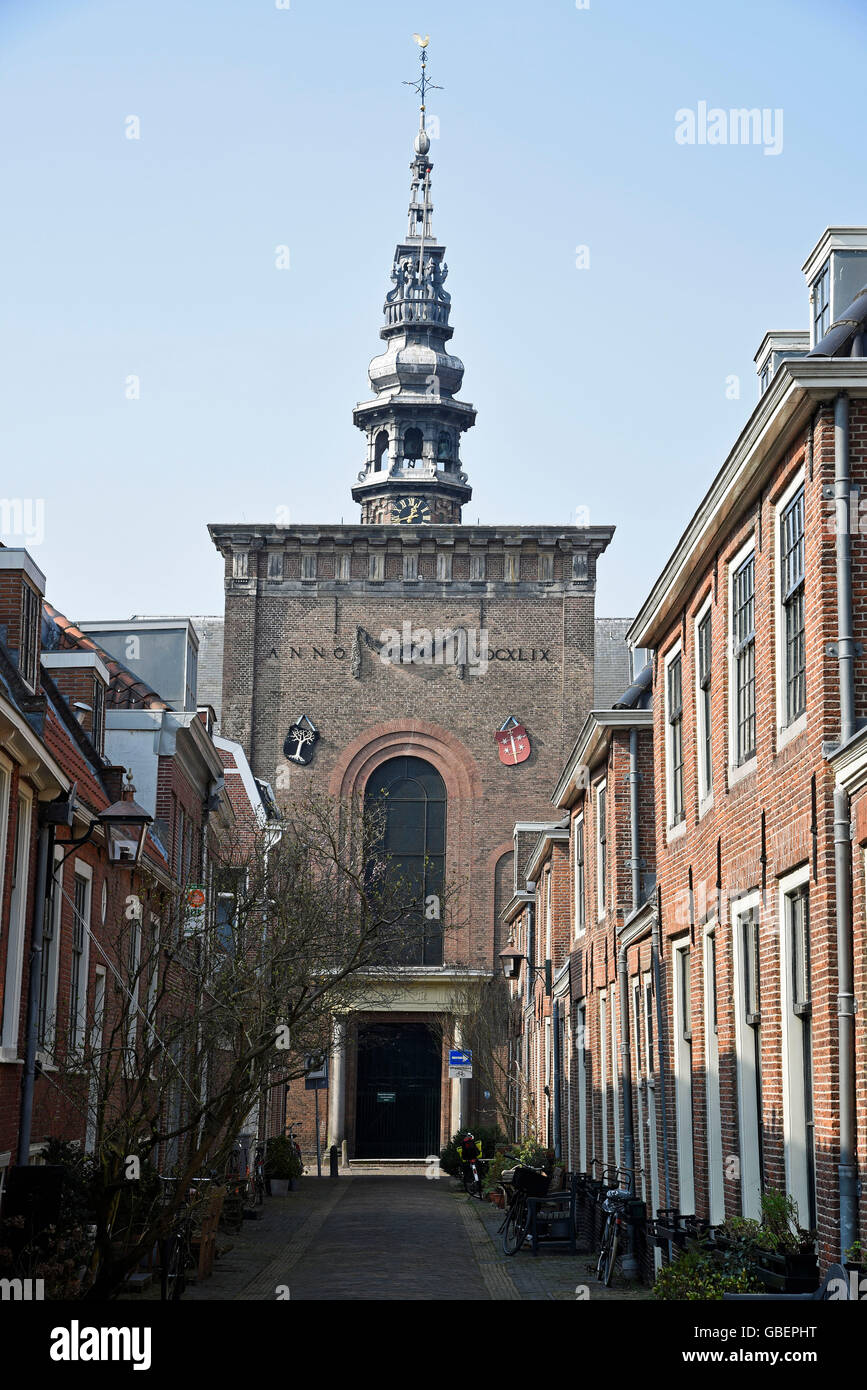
x: 513, y: 741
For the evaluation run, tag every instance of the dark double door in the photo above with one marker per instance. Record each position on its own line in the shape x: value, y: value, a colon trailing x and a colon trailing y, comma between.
x: 398, y: 1091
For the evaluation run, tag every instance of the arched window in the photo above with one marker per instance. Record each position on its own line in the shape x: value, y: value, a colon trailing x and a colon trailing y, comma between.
x: 412, y: 444
x: 444, y: 448
x: 411, y: 797
x: 380, y: 451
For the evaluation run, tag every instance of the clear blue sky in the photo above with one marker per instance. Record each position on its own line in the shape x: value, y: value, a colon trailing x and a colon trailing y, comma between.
x: 601, y: 388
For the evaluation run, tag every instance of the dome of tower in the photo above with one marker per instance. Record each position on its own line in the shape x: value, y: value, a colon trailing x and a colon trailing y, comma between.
x: 408, y: 367
x: 421, y: 144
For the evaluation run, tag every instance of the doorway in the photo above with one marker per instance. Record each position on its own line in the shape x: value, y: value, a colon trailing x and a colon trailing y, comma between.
x: 398, y: 1091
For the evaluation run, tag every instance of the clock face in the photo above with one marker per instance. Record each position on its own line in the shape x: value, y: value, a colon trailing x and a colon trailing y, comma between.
x: 409, y: 510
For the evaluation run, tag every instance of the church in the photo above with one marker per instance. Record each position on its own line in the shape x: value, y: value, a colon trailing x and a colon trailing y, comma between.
x: 448, y: 666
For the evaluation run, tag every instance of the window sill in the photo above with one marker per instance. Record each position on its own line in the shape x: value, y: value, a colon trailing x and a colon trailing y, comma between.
x: 10, y: 1054
x: 676, y: 831
x: 791, y: 731
x: 705, y: 805
x: 741, y: 771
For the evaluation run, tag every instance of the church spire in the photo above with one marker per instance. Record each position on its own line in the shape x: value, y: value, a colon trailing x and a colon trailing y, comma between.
x: 413, y: 425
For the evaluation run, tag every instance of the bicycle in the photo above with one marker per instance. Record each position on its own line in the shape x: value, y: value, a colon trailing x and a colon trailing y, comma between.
x: 616, y: 1202
x: 524, y: 1182
x: 259, y: 1176
x: 176, y: 1254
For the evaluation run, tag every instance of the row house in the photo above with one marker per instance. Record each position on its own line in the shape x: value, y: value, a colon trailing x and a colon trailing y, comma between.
x: 710, y: 860
x: 758, y: 624
x: 81, y: 735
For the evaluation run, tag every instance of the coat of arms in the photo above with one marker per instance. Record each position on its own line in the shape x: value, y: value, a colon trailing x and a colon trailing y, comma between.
x: 301, y: 741
x: 513, y: 742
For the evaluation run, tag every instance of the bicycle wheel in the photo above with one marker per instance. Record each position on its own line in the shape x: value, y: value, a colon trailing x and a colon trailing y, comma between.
x: 611, y: 1256
x: 607, y: 1232
x: 172, y: 1279
x: 516, y: 1226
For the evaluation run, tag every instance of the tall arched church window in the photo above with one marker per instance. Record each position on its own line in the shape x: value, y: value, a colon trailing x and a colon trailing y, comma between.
x: 410, y: 798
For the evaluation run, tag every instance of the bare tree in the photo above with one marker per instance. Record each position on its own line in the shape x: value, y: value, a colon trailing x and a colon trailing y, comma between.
x: 209, y: 1003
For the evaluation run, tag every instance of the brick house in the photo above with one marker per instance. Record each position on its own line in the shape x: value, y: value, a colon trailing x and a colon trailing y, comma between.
x: 755, y: 623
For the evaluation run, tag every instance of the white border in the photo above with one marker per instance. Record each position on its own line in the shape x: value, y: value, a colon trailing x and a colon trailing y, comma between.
x: 785, y: 731
x: 705, y: 793
x: 682, y: 1083
x: 737, y: 770
x: 748, y: 1133
x: 792, y: 1057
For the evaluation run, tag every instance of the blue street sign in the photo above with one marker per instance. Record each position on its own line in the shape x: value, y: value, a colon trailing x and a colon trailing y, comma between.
x: 460, y: 1059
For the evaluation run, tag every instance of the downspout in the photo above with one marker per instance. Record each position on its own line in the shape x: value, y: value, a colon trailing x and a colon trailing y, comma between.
x: 846, y: 1170
x: 31, y: 1033
x: 630, y: 1263
x: 660, y: 1052
x: 555, y: 1028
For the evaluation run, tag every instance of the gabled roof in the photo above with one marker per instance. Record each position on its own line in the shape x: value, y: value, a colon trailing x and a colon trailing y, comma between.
x: 126, y: 690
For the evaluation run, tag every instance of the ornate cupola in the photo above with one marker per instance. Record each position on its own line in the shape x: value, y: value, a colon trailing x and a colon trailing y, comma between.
x: 413, y: 425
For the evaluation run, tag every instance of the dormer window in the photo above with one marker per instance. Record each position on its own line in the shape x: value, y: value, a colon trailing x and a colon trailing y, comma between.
x: 821, y: 296
x: 28, y: 652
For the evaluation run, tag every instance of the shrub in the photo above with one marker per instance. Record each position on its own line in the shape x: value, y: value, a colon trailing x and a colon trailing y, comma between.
x: 528, y: 1152
x: 488, y: 1137
x: 281, y: 1160
x: 701, y: 1273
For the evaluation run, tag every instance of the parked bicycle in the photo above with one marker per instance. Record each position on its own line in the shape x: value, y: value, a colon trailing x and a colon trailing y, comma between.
x: 519, y: 1183
x: 617, y: 1204
x: 175, y: 1248
x: 473, y: 1167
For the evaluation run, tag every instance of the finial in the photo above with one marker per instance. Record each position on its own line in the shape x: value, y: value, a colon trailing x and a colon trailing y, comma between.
x: 422, y: 140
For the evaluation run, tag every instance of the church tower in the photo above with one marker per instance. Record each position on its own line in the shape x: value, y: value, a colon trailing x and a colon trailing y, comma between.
x: 413, y: 424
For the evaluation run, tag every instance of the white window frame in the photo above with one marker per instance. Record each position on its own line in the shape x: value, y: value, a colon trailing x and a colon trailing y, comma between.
x: 674, y: 828
x: 615, y: 1070
x: 710, y: 983
x: 581, y: 1049
x: 683, y: 1083
x: 78, y: 1029
x: 579, y: 924
x: 46, y: 1055
x: 635, y: 1008
x: 603, y: 1074
x: 601, y: 893
x: 792, y: 1058
x: 5, y: 789
x: 737, y: 770
x: 785, y: 731
x: 705, y: 791
x: 548, y: 923
x: 17, y: 932
x: 747, y: 1080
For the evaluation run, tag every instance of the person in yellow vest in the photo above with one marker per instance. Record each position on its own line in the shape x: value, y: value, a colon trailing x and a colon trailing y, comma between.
x: 470, y: 1150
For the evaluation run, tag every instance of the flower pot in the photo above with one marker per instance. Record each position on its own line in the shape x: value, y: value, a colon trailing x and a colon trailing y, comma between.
x: 279, y: 1187
x: 788, y: 1271
x: 497, y: 1199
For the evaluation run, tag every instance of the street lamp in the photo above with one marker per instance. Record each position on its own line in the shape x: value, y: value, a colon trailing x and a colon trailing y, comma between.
x: 125, y: 824
x: 510, y: 959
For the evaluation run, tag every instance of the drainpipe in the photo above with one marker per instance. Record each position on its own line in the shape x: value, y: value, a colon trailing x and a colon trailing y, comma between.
x: 31, y: 1033
x: 660, y: 1052
x: 847, y: 1170
x: 845, y: 643
x: 630, y: 1263
x: 635, y: 861
x: 555, y: 1029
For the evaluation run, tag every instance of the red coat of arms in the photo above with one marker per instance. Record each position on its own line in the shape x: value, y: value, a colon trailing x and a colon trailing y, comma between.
x: 513, y: 743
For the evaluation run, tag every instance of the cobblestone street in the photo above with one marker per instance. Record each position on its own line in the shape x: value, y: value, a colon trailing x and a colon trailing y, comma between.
x: 381, y: 1238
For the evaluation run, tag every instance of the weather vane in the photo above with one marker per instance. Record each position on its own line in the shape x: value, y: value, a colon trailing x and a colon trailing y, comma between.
x: 423, y: 83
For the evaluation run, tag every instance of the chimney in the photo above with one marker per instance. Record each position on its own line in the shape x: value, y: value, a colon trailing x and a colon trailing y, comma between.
x: 83, y: 681
x: 22, y: 586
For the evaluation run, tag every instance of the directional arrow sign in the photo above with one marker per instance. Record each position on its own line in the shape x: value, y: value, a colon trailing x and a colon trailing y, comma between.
x: 460, y: 1059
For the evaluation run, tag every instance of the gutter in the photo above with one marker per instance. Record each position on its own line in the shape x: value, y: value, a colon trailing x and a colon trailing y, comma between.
x: 845, y: 651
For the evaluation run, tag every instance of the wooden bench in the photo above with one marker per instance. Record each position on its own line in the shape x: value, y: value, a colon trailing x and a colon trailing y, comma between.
x: 555, y: 1210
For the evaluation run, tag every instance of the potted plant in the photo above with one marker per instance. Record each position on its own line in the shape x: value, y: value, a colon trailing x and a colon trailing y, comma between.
x: 282, y: 1165
x: 701, y: 1272
x: 785, y: 1254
